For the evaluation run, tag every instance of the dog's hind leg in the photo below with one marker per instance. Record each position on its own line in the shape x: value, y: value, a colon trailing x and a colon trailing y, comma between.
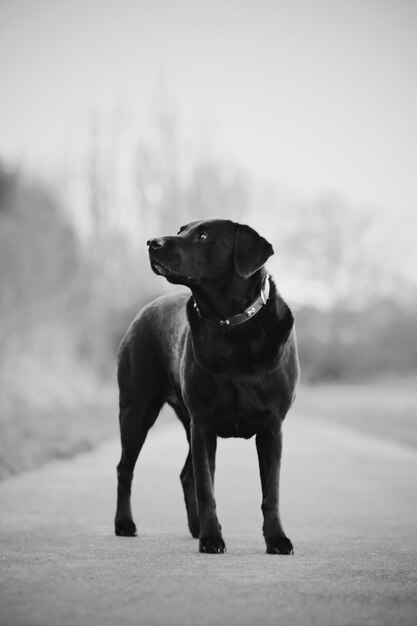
x: 141, y: 399
x: 135, y: 422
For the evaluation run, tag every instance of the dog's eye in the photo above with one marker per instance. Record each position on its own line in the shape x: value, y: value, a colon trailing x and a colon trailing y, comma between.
x: 203, y: 236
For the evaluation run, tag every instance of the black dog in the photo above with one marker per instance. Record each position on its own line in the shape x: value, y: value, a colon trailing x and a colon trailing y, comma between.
x: 225, y: 359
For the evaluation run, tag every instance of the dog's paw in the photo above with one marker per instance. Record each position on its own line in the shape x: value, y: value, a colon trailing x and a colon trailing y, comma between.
x: 212, y: 545
x: 125, y: 528
x: 279, y: 545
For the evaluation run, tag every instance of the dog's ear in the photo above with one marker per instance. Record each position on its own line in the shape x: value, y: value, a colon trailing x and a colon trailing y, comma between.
x: 251, y: 251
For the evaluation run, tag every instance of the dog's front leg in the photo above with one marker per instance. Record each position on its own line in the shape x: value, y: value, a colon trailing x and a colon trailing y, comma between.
x: 269, y: 447
x: 203, y: 448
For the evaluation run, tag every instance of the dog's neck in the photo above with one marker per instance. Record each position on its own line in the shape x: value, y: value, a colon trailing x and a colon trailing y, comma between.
x: 223, y: 301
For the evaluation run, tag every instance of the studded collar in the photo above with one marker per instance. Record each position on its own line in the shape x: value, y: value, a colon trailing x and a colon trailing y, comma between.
x: 248, y: 313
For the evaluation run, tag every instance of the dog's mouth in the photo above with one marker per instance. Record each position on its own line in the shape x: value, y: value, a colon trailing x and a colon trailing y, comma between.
x: 160, y: 268
x: 163, y: 270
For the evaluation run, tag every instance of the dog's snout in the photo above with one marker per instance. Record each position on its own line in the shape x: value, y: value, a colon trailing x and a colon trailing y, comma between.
x: 155, y: 243
x: 160, y: 242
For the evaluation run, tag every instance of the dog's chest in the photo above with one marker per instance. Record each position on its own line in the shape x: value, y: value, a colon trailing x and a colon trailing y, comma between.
x: 237, y: 409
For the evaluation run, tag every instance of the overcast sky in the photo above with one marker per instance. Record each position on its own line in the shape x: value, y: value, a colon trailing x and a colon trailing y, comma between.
x: 314, y: 95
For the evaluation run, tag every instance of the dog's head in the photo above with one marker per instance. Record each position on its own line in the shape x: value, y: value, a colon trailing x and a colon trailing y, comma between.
x: 209, y: 251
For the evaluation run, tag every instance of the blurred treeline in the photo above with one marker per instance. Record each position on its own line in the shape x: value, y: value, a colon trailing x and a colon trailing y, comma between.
x: 74, y: 270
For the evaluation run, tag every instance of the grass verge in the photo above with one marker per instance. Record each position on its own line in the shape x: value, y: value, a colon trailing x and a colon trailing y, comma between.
x: 56, y: 412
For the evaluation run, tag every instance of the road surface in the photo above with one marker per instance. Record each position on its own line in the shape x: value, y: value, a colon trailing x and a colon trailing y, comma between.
x: 348, y: 504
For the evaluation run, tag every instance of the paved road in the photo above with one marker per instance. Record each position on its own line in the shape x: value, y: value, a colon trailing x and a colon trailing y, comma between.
x: 349, y: 505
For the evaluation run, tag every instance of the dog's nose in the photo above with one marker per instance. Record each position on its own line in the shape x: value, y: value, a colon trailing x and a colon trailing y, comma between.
x: 155, y: 243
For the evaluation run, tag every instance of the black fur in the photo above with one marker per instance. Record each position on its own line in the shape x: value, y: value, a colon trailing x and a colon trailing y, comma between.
x: 235, y: 381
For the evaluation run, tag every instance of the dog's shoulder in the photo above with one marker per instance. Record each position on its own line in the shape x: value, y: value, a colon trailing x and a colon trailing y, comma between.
x: 164, y: 316
x: 170, y: 305
x: 277, y: 321
x: 280, y: 317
